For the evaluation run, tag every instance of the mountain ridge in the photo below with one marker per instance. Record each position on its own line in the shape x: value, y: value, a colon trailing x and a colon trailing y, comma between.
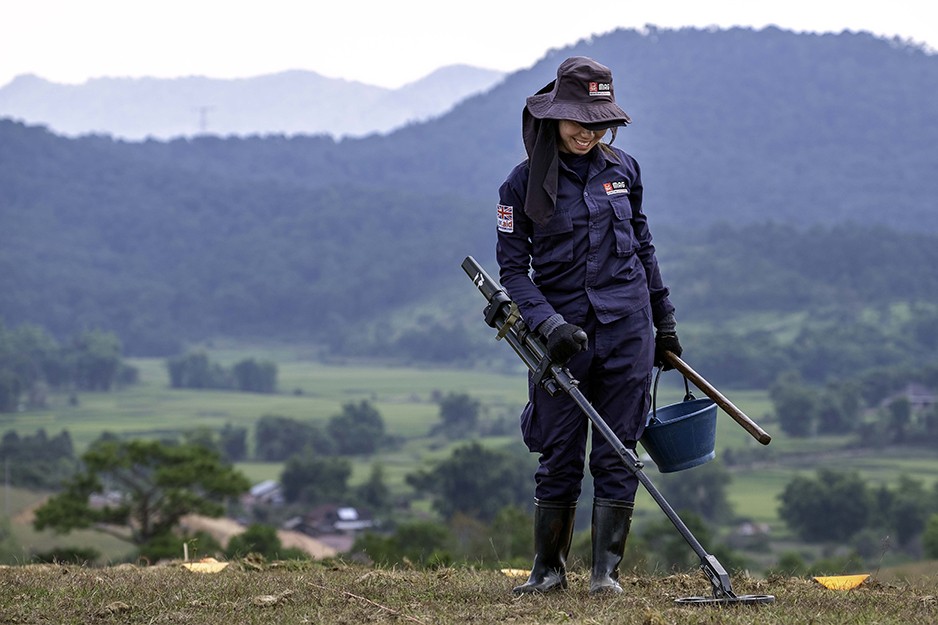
x: 763, y: 135
x: 288, y: 102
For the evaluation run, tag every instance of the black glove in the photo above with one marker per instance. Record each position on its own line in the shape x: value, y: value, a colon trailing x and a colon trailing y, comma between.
x: 563, y: 339
x: 666, y: 341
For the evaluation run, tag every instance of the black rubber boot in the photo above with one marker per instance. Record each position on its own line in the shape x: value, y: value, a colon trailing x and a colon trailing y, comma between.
x: 553, y: 532
x: 610, y: 528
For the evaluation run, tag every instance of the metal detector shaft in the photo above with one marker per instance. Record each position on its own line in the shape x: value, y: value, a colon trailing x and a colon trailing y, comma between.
x: 728, y: 407
x: 502, y: 314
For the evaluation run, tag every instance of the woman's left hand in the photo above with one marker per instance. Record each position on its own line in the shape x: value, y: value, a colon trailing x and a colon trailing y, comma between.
x: 666, y: 342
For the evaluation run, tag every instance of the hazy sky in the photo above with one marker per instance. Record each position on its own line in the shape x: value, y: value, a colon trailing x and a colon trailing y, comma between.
x: 381, y: 42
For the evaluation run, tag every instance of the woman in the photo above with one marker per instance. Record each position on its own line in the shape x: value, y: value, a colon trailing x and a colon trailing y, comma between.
x: 575, y: 254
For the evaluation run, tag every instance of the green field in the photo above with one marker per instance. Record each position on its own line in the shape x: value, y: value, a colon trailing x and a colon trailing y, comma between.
x: 312, y: 391
x: 405, y: 397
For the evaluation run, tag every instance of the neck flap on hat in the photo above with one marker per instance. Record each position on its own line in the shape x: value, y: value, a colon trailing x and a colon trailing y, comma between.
x: 540, y: 142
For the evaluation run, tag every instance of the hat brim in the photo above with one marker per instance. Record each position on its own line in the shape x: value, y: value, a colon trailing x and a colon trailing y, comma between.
x: 595, y: 116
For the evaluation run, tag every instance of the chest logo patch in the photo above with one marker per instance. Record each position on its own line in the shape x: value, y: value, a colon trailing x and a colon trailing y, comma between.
x: 506, y: 218
x: 616, y: 187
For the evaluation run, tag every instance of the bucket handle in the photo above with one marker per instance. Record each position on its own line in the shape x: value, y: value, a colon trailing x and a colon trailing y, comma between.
x: 688, y: 396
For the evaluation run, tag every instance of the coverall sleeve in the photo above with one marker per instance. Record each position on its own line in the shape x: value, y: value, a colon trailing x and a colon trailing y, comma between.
x: 513, y: 253
x: 658, y: 293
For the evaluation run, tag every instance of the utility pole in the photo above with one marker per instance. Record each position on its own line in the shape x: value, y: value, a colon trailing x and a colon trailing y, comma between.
x: 203, y: 118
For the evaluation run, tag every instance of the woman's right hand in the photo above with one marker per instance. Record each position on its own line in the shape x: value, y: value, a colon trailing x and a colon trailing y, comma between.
x: 564, y: 341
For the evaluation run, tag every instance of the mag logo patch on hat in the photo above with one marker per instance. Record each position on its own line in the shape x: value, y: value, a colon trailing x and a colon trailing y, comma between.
x: 616, y: 187
x: 600, y: 88
x: 506, y: 218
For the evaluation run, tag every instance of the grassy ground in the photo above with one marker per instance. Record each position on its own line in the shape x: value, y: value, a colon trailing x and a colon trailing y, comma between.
x: 346, y: 594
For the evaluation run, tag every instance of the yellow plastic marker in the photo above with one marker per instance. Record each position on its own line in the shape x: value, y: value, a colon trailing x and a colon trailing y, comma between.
x: 842, y: 582
x: 205, y: 565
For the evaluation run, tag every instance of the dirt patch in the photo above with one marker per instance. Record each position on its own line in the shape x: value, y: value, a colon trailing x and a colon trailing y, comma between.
x: 222, y: 529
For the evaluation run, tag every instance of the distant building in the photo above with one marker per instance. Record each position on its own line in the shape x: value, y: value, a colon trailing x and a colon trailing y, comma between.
x: 336, y: 526
x: 920, y: 397
x: 268, y: 492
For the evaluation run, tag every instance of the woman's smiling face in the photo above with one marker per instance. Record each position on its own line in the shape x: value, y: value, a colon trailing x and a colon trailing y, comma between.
x: 575, y: 139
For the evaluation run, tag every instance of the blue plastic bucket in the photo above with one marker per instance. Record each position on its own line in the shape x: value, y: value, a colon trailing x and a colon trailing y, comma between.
x: 681, y: 436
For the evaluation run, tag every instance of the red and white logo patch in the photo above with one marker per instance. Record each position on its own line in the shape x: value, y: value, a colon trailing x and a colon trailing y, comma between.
x: 616, y: 187
x: 600, y: 88
x: 506, y: 218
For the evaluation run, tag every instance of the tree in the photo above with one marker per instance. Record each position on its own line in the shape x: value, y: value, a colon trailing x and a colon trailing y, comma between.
x: 38, y: 461
x: 475, y: 481
x: 838, y: 408
x: 702, y: 491
x: 374, y: 493
x: 146, y: 486
x: 930, y: 537
x: 422, y: 542
x: 195, y: 370
x: 31, y: 361
x: 833, y: 506
x: 795, y: 406
x: 898, y: 418
x: 96, y: 360
x: 512, y: 534
x: 929, y: 424
x: 256, y: 377
x: 315, y: 480
x: 910, y: 509
x: 459, y: 414
x: 233, y: 442
x: 26, y: 357
x: 277, y: 438
x: 263, y: 540
x: 358, y: 430
x: 666, y: 550
x: 10, y: 390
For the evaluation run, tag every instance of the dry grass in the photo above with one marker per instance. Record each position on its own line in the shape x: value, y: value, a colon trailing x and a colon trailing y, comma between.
x: 352, y: 594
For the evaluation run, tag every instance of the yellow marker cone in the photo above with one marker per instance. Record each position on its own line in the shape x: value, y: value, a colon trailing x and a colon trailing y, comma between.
x: 842, y: 582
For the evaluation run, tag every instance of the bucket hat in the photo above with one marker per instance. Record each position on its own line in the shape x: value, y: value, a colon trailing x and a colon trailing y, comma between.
x: 582, y: 92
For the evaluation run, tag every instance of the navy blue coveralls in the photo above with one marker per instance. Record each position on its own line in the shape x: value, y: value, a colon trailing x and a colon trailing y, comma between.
x: 593, y: 263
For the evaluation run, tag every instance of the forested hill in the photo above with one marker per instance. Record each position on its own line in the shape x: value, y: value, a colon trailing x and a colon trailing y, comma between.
x: 282, y: 237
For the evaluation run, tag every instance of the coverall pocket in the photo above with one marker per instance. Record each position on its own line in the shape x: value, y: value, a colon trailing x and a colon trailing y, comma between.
x: 553, y: 242
x: 530, y: 429
x: 622, y: 225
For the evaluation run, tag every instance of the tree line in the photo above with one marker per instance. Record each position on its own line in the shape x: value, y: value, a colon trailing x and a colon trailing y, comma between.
x: 196, y: 370
x: 880, y: 406
x: 841, y: 507
x: 32, y: 363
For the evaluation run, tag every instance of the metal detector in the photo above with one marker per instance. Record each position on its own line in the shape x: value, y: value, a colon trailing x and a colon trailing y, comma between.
x: 502, y: 314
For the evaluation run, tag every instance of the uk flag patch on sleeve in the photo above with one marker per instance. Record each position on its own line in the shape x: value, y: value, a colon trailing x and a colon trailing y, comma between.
x: 506, y: 218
